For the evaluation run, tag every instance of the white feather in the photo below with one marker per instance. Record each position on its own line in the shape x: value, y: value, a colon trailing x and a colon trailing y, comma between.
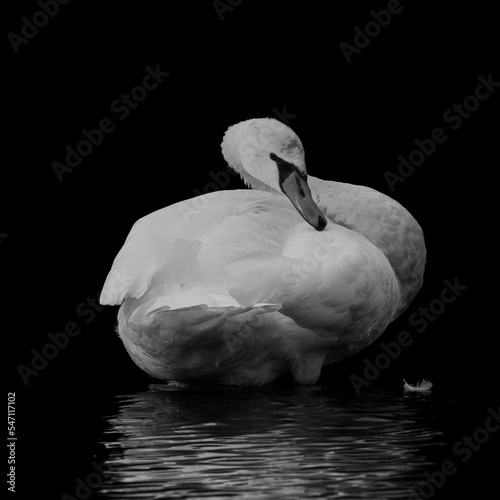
x: 422, y: 386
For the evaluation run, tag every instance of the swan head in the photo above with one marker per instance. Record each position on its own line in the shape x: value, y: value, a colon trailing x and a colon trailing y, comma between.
x: 269, y: 156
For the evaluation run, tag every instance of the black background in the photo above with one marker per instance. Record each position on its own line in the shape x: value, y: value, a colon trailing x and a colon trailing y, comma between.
x: 354, y: 119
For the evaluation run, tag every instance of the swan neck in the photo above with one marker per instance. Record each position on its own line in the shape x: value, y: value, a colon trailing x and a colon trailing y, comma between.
x: 382, y: 221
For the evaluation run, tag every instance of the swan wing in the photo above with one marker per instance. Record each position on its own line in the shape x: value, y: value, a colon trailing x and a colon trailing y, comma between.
x: 179, y: 252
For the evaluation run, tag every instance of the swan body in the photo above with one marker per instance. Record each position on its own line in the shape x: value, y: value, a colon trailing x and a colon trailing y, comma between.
x: 239, y: 287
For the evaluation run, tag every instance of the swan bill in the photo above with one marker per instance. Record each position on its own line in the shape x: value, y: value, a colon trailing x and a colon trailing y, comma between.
x: 296, y: 188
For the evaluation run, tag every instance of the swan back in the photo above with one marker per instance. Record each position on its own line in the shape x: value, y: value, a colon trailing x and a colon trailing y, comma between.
x: 382, y: 221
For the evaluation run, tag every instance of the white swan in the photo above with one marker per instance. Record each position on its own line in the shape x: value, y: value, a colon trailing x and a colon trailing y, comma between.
x: 234, y: 287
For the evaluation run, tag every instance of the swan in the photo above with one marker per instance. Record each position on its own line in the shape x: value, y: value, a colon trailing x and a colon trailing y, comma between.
x: 240, y: 287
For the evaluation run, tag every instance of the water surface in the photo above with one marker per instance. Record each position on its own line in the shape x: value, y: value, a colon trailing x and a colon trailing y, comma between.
x: 270, y: 442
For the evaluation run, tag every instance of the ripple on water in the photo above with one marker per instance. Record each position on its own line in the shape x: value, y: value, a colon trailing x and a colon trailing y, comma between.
x: 272, y: 442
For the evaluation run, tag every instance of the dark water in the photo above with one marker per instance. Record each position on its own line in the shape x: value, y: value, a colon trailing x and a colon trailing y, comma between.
x: 271, y: 442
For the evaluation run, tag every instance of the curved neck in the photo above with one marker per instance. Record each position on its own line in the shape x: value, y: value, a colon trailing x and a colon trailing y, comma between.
x: 381, y: 220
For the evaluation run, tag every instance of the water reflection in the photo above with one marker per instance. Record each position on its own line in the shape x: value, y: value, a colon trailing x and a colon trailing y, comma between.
x: 272, y: 442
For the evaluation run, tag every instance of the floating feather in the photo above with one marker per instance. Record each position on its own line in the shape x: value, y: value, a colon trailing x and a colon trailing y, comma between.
x: 423, y: 386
